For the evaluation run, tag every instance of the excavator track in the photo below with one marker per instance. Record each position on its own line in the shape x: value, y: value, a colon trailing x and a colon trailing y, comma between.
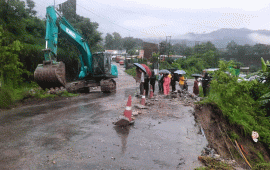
x: 50, y: 75
x: 108, y: 86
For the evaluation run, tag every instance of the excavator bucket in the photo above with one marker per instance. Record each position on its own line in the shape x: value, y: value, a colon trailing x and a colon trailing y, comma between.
x: 50, y: 75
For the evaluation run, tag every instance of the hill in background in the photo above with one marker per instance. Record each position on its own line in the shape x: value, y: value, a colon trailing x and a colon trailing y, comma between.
x: 220, y: 38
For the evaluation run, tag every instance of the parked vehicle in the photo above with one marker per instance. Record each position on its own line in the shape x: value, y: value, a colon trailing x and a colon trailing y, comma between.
x: 121, y: 62
x: 118, y: 58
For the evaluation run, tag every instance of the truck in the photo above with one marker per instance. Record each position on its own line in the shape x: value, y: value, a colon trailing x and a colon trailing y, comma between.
x: 96, y: 69
x: 118, y: 58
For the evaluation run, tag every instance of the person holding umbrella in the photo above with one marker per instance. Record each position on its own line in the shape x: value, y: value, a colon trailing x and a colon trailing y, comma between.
x: 206, y: 83
x: 140, y: 78
x: 146, y: 84
x: 153, y: 80
x: 181, y: 81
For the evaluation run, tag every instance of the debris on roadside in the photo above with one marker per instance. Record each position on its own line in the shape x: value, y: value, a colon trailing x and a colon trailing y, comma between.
x: 135, y: 113
x: 149, y: 103
x: 216, y: 164
x: 56, y: 90
x: 140, y: 106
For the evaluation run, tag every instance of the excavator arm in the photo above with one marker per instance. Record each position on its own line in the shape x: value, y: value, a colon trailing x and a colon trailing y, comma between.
x: 56, y: 25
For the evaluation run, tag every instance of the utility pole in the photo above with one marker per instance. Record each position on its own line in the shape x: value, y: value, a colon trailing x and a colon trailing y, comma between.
x: 169, y: 45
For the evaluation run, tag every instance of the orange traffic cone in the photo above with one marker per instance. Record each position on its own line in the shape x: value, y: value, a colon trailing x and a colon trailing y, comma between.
x: 128, y: 112
x: 143, y: 98
x: 151, y: 92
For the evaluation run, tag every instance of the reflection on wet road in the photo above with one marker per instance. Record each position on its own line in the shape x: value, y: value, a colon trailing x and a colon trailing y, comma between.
x: 78, y: 133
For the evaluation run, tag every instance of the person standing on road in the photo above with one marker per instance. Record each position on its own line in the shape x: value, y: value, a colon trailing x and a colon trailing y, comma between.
x: 166, y: 84
x: 206, y: 84
x: 146, y: 84
x: 140, y: 78
x: 181, y: 81
x: 196, y: 87
x: 173, y: 82
x: 153, y: 80
x: 160, y: 82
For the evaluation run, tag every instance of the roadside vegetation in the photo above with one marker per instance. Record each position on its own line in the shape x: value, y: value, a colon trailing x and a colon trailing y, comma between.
x: 243, y: 103
x: 22, y: 36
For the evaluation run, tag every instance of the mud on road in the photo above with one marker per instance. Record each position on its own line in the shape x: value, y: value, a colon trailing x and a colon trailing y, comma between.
x: 77, y: 133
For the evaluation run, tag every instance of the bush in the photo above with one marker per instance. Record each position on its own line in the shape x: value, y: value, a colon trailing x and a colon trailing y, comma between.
x: 262, y: 166
x: 6, y: 97
x: 131, y: 71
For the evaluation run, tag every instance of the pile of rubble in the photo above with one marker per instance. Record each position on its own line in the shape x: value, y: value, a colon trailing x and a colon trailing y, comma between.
x: 56, y: 90
x: 211, y: 153
x: 185, y: 96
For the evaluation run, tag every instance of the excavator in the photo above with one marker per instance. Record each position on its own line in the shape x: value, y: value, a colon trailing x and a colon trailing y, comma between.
x: 96, y: 69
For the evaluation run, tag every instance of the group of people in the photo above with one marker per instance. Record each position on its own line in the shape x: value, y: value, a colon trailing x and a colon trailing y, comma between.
x: 145, y: 80
x: 205, y: 84
x: 167, y: 80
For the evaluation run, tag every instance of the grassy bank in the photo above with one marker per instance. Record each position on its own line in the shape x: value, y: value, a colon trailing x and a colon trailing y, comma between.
x: 31, y: 91
x: 241, y: 105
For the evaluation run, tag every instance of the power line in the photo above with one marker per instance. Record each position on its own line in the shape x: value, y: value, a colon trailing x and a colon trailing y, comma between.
x: 104, y: 17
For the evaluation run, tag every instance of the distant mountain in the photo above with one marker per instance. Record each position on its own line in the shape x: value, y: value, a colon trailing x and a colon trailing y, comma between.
x: 220, y: 38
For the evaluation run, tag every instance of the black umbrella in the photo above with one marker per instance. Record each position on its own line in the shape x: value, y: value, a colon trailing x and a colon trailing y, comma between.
x: 140, y: 67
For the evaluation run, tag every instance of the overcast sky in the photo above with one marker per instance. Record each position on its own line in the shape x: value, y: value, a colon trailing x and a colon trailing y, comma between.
x: 154, y: 18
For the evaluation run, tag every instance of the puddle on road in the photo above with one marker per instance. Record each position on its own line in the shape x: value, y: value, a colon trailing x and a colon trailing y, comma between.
x: 123, y: 134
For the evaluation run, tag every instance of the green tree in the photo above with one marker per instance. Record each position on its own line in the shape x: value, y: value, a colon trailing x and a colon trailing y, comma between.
x: 31, y: 6
x: 260, y: 49
x: 232, y: 48
x: 117, y: 40
x: 162, y: 48
x: 12, y: 15
x: 10, y: 66
x: 109, y: 42
x: 204, y: 47
x: 129, y: 43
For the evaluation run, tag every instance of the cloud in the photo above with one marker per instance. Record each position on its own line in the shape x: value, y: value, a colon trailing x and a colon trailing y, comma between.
x: 260, y: 38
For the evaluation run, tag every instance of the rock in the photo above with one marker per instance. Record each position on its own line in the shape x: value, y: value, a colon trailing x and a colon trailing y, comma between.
x: 149, y: 103
x: 141, y: 106
x: 135, y: 113
x: 216, y: 156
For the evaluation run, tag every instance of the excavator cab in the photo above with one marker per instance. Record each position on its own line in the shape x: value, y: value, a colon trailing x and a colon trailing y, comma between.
x: 102, y: 66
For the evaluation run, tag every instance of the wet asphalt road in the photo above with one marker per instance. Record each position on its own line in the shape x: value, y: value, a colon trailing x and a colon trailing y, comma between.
x: 77, y: 133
